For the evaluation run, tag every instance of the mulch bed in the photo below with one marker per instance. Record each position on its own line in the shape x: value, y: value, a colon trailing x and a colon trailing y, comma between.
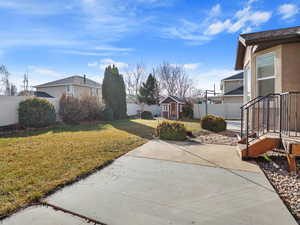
x: 227, y: 137
x: 286, y: 184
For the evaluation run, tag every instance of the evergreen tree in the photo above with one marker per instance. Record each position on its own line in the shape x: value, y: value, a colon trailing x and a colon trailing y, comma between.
x: 149, y: 92
x: 114, y: 93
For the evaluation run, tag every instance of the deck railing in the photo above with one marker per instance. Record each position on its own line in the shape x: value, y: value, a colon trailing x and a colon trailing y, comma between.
x: 275, y: 114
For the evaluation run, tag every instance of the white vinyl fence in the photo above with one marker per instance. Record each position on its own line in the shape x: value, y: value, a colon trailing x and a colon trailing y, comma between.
x: 134, y: 109
x: 9, y: 108
x: 227, y: 110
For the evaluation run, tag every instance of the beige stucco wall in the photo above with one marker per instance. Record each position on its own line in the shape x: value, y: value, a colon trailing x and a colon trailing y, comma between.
x: 56, y: 91
x: 287, y: 74
x: 233, y: 99
x: 291, y: 67
x: 230, y: 85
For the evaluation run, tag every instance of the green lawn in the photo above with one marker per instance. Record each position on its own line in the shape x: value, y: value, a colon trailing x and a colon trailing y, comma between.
x: 33, y: 163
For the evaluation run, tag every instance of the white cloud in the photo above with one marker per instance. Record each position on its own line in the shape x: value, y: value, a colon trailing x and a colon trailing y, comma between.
x: 76, y: 52
x: 103, y: 63
x: 34, y: 7
x: 187, y: 31
x: 191, y: 66
x: 43, y: 71
x: 288, y: 11
x: 217, y: 27
x: 113, y: 49
x: 245, y: 20
x: 215, y: 10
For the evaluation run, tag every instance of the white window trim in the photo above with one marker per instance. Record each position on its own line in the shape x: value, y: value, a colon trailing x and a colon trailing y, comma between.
x: 165, y: 107
x: 268, y: 77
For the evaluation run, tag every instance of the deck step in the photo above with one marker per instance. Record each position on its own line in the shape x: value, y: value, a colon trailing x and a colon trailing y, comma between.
x: 258, y: 147
x: 244, y: 139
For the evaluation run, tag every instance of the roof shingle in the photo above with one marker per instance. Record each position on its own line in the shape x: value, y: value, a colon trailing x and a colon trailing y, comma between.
x: 73, y: 80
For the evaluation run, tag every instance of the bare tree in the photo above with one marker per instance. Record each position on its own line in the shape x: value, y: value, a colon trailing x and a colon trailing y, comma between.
x: 5, y: 80
x: 173, y: 80
x: 134, y: 79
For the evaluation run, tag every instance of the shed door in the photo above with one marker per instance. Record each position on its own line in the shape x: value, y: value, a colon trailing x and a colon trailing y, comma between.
x: 173, y: 112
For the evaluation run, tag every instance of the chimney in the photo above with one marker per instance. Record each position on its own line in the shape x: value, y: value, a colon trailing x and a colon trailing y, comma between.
x: 84, y: 79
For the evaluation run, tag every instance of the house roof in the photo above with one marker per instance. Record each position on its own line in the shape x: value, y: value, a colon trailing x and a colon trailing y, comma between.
x: 176, y: 99
x: 237, y: 91
x: 237, y: 76
x: 265, y: 39
x: 73, y: 80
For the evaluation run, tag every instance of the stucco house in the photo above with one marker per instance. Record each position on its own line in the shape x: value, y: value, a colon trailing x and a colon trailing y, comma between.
x: 76, y: 86
x: 271, y: 64
x: 271, y: 61
x: 232, y: 88
x: 171, y: 107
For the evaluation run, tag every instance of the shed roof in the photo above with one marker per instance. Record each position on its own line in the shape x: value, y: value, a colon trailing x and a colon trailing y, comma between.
x: 176, y: 99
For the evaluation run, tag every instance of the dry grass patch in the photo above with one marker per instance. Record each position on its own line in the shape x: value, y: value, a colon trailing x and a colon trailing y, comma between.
x: 33, y: 163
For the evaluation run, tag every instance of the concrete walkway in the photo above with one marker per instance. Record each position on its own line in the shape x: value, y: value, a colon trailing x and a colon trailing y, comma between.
x: 168, y: 183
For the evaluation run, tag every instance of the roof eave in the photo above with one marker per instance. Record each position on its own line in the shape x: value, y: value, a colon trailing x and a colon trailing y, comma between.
x: 239, y: 62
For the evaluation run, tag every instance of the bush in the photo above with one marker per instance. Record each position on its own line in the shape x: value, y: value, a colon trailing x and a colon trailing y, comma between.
x: 73, y: 110
x: 171, y: 131
x: 187, y: 112
x: 70, y: 110
x: 146, y: 115
x: 35, y: 112
x: 91, y: 108
x: 213, y: 123
x: 108, y: 114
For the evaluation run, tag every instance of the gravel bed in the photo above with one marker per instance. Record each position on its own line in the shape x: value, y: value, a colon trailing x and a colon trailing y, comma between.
x: 286, y: 184
x: 227, y: 137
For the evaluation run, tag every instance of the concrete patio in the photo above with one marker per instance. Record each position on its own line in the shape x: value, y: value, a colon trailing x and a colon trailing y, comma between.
x: 167, y: 183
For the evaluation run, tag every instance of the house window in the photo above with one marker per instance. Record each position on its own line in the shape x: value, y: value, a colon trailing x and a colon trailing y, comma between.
x: 93, y: 92
x: 70, y: 90
x: 164, y: 107
x: 265, y: 72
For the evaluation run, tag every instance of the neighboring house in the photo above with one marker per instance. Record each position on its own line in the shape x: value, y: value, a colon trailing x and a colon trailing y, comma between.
x: 171, y: 107
x: 232, y: 89
x: 76, y: 86
x: 271, y: 64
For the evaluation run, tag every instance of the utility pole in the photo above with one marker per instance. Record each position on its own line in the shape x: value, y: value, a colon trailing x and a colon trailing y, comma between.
x: 206, y: 98
x: 25, y: 82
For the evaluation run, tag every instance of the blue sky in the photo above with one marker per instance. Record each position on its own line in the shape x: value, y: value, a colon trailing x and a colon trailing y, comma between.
x: 55, y: 39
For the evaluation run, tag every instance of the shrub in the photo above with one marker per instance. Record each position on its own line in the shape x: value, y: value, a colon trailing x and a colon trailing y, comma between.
x: 146, y: 115
x: 187, y: 112
x: 171, y: 131
x: 213, y: 123
x: 91, y: 108
x: 108, y: 114
x: 35, y: 112
x: 70, y: 110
